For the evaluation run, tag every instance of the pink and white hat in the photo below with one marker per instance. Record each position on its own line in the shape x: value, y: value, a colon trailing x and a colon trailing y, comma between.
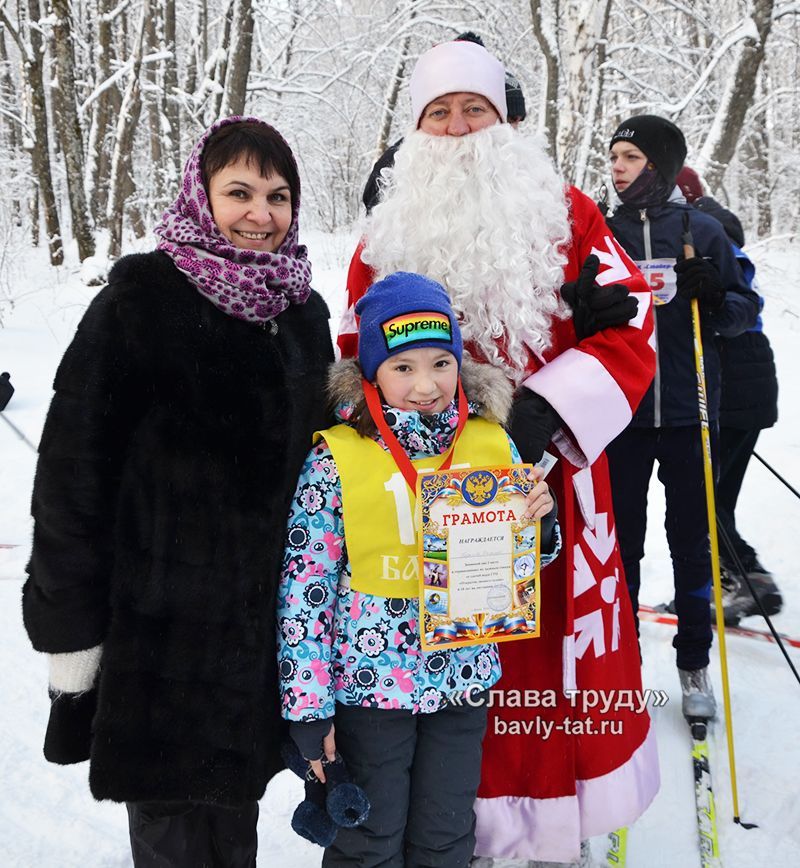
x: 457, y: 67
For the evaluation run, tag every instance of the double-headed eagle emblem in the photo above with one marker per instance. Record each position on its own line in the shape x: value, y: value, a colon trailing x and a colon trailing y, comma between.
x: 480, y: 487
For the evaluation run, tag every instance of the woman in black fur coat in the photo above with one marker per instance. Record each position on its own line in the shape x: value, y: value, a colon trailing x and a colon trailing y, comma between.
x: 182, y: 412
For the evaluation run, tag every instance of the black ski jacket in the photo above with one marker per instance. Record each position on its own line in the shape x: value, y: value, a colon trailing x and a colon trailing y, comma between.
x: 655, y: 234
x: 730, y: 222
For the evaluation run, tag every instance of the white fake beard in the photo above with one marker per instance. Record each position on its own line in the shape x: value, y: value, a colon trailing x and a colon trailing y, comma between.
x: 485, y: 215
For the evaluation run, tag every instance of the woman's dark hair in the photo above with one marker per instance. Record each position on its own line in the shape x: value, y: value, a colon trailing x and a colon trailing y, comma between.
x: 260, y: 145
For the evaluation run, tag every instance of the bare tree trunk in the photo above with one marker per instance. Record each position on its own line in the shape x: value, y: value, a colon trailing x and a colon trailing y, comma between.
x: 585, y: 26
x: 126, y: 126
x: 152, y: 100
x: 104, y: 108
x: 133, y: 210
x: 197, y: 54
x: 33, y: 211
x: 162, y: 103
x: 547, y: 37
x: 66, y: 116
x: 723, y: 138
x: 595, y: 158
x: 756, y: 151
x: 11, y: 139
x: 40, y: 153
x: 395, y: 83
x: 294, y: 13
x: 241, y: 45
x: 764, y: 172
x: 220, y: 72
x: 294, y: 20
x: 758, y: 162
x: 171, y: 106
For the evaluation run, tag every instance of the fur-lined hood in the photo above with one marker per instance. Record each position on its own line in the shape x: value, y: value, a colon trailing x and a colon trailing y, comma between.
x: 486, y: 387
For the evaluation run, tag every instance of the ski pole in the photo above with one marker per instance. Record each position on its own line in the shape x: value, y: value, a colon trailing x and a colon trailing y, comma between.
x: 705, y: 436
x: 774, y: 472
x: 16, y: 430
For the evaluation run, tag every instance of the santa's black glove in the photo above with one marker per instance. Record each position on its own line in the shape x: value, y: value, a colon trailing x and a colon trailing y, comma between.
x: 597, y: 307
x: 6, y: 389
x: 69, y: 731
x: 698, y: 278
x: 533, y: 423
x: 548, y: 526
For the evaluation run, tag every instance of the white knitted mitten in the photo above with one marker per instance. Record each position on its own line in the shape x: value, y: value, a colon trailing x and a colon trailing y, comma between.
x: 74, y: 671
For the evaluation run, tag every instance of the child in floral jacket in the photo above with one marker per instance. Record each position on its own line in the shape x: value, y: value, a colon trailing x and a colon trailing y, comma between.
x: 408, y: 723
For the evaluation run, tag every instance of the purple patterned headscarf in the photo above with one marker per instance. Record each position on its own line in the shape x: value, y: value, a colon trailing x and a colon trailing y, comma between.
x: 245, y: 284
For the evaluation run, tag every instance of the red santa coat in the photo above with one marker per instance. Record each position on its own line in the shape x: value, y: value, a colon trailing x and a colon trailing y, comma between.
x: 575, y: 756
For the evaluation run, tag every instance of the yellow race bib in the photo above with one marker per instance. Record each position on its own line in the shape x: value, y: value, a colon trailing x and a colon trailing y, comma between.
x: 379, y: 508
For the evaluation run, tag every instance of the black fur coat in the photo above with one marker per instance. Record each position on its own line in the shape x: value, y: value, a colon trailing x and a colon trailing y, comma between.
x: 169, y: 455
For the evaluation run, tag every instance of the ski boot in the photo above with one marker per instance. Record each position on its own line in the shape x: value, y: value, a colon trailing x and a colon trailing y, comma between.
x: 731, y: 600
x: 698, y: 701
x: 733, y: 597
x: 737, y: 600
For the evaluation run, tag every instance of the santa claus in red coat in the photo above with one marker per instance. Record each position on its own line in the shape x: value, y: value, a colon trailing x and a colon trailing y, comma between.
x: 474, y: 204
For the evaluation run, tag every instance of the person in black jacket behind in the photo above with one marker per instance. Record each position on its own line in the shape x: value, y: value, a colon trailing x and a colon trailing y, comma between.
x: 692, y: 188
x: 646, y: 154
x: 183, y: 410
x: 6, y: 389
x: 748, y: 404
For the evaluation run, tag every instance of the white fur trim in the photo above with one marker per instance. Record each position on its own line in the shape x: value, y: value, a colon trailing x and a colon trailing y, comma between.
x: 484, y: 384
x: 583, y: 486
x: 516, y: 827
x: 586, y: 397
x: 348, y: 324
x: 74, y: 671
x: 457, y: 67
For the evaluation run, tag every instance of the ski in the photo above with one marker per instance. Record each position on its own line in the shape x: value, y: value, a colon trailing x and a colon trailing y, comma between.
x: 659, y: 615
x: 704, y: 797
x: 617, y: 848
x: 705, y: 807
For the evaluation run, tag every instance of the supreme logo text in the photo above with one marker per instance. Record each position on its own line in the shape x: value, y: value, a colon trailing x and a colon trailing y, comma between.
x: 419, y: 326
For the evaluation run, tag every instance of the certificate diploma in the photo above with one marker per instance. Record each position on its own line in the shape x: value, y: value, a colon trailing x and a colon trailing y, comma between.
x: 479, y: 558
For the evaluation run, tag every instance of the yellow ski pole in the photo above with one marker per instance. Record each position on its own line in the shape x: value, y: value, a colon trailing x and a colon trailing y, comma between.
x: 705, y: 435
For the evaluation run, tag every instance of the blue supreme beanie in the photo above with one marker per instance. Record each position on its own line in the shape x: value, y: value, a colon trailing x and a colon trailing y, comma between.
x: 402, y: 312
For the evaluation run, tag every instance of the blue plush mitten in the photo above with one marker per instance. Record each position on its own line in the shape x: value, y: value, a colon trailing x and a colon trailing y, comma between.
x: 337, y: 802
x: 310, y: 819
x: 347, y: 803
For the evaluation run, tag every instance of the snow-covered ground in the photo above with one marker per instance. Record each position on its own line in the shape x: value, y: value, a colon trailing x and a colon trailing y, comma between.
x: 49, y: 820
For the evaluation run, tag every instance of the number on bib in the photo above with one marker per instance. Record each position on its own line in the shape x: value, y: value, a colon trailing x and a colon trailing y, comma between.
x: 398, y: 488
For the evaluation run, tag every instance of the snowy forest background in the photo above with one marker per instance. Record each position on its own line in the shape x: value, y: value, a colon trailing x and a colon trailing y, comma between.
x: 101, y: 100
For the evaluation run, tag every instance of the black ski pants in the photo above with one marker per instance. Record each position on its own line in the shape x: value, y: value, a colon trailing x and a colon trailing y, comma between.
x: 421, y: 774
x: 192, y: 835
x: 678, y: 452
x: 735, y: 448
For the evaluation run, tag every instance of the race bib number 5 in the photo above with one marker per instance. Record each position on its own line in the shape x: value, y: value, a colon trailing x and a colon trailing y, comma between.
x: 660, y: 277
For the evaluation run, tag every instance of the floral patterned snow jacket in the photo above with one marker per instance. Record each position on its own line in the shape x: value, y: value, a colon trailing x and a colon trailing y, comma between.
x: 338, y: 645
